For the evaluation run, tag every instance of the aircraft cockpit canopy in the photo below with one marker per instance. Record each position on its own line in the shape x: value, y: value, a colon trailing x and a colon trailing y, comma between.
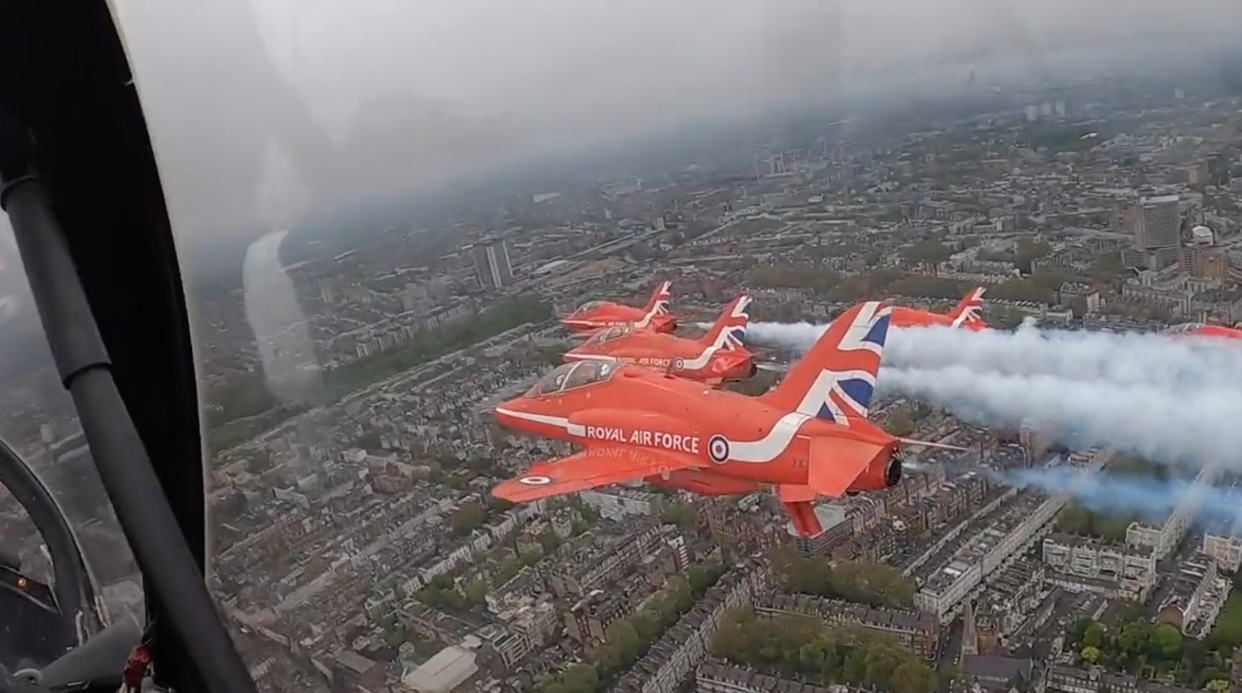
x: 571, y: 376
x: 609, y: 334
x: 588, y: 306
x: 1185, y: 328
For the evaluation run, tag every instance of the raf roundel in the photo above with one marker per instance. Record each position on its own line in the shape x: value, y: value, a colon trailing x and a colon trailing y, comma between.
x: 535, y: 480
x: 718, y: 449
x: 678, y: 364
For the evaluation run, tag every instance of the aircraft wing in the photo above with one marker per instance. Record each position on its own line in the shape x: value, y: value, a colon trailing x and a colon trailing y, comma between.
x: 597, y: 466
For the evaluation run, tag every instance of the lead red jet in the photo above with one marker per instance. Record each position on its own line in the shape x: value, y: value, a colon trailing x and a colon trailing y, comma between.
x: 596, y: 315
x: 716, y: 357
x: 807, y: 438
x: 967, y: 315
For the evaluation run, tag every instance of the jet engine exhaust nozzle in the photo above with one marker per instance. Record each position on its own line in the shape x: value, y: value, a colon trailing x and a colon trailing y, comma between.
x: 892, y: 474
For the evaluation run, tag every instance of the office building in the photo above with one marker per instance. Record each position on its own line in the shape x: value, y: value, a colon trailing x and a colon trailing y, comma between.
x: 491, y: 261
x: 1158, y: 223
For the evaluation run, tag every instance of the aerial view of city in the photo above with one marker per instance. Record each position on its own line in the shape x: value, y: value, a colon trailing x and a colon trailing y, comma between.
x: 910, y: 395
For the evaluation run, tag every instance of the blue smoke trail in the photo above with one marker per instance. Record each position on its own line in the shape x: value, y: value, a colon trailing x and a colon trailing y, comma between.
x: 1147, y: 499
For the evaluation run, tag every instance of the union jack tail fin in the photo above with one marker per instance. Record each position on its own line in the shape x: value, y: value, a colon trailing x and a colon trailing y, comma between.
x: 970, y: 310
x: 729, y: 332
x: 658, y: 303
x: 836, y: 378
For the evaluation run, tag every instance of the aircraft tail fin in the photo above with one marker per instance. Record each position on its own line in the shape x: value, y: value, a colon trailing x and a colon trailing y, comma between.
x: 970, y: 310
x: 835, y: 380
x: 729, y: 332
x: 657, y: 304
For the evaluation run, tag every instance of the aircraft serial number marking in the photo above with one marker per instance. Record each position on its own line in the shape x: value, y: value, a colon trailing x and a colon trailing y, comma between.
x: 632, y: 454
x: 646, y: 439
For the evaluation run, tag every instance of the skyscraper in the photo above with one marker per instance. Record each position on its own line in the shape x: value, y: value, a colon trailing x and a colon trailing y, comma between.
x: 1159, y: 223
x: 491, y: 261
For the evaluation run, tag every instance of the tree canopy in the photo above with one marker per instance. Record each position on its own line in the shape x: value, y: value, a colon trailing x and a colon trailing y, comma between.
x: 1059, y: 137
x: 1005, y: 318
x: 1107, y: 267
x: 1129, y: 646
x: 1137, y: 646
x: 865, y: 582
x: 1027, y: 251
x: 468, y: 517
x: 899, y: 423
x: 801, y: 647
x: 681, y: 514
x: 923, y: 286
x: 442, y: 593
x: 1077, y: 520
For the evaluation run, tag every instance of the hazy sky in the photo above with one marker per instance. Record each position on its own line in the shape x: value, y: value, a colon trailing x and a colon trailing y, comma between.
x: 395, y: 93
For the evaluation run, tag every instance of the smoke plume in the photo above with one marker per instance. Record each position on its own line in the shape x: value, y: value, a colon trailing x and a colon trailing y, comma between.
x: 1191, y: 426
x: 1122, y: 358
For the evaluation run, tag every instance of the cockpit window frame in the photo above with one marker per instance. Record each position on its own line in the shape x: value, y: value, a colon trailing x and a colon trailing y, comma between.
x: 609, y: 334
x: 588, y: 306
x: 604, y: 371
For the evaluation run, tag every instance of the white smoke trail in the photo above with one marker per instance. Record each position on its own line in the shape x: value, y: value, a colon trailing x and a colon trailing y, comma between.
x: 1124, y: 358
x: 1187, y: 426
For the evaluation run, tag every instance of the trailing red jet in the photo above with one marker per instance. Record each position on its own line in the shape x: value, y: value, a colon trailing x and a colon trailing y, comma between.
x: 596, y: 315
x: 1200, y: 329
x: 968, y: 314
x: 808, y: 437
x: 718, y: 356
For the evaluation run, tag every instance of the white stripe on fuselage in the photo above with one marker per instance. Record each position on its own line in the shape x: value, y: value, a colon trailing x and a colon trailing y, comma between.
x: 772, y: 445
x: 558, y: 421
x: 761, y: 451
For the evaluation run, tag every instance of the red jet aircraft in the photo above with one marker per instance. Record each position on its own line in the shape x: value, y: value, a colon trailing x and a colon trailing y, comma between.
x: 967, y: 315
x: 716, y: 357
x: 808, y: 437
x: 596, y: 315
x: 1199, y: 329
